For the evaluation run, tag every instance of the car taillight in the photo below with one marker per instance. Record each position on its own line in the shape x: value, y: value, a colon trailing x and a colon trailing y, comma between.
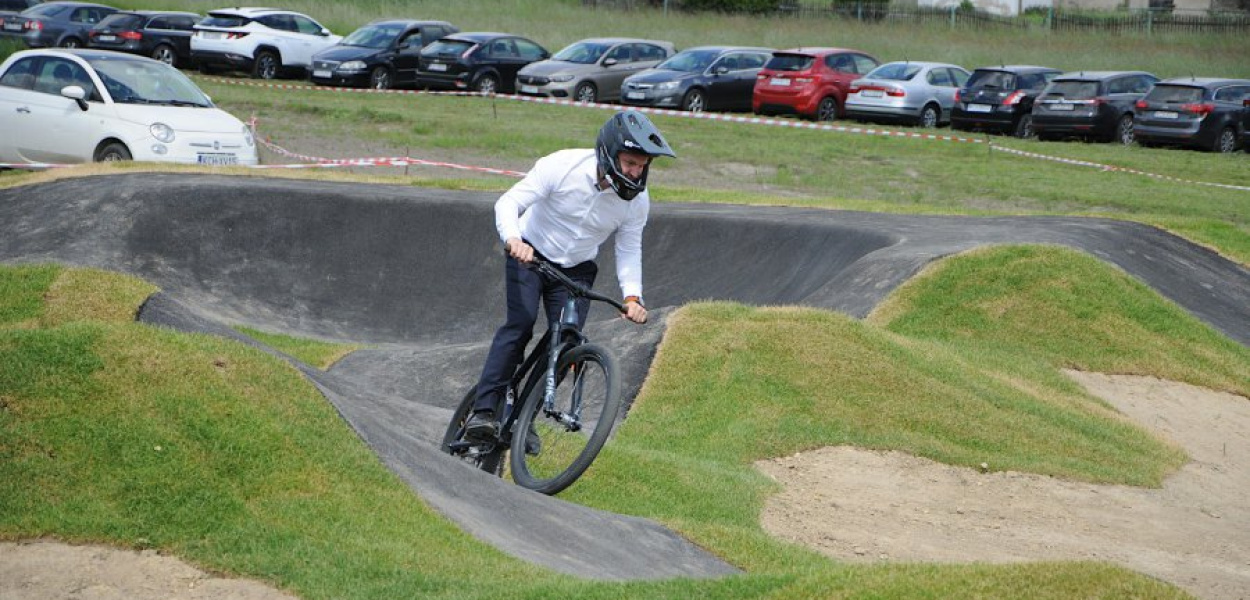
x: 1202, y: 109
x: 130, y: 35
x: 1014, y: 98
x: 33, y: 26
x: 1142, y: 105
x: 958, y: 95
x: 853, y: 89
x: 894, y: 92
x: 235, y: 35
x: 1096, y: 102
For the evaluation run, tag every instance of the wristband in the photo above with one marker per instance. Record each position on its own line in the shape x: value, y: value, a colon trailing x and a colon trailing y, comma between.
x: 637, y: 299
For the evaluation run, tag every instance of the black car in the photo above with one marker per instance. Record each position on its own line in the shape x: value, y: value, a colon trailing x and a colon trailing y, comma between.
x: 163, y: 35
x: 1091, y: 104
x: 1000, y: 99
x: 63, y: 24
x: 479, y: 61
x: 12, y: 7
x: 380, y: 55
x: 698, y: 79
x: 1205, y: 113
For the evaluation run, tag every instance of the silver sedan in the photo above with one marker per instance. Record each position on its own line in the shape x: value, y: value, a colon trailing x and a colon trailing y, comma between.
x: 919, y: 93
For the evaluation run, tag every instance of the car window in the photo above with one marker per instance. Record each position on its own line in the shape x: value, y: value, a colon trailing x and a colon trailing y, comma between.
x: 690, y: 61
x: 226, y: 21
x: 729, y: 62
x: 56, y: 73
x: 447, y: 48
x: 132, y: 80
x: 582, y: 53
x: 863, y: 64
x: 1232, y: 93
x: 21, y: 74
x: 1175, y: 94
x: 122, y: 21
x: 158, y: 23
x: 840, y: 62
x: 306, y: 26
x: 895, y: 71
x: 621, y: 53
x: 278, y: 22
x: 650, y: 52
x: 754, y: 60
x: 1032, y: 81
x: 992, y: 79
x: 46, y: 10
x: 1073, y: 90
x: 790, y: 62
x: 940, y: 78
x: 960, y: 76
x: 529, y: 50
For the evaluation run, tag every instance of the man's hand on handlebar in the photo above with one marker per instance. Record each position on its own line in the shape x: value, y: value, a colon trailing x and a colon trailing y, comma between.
x: 518, y: 249
x: 635, y: 312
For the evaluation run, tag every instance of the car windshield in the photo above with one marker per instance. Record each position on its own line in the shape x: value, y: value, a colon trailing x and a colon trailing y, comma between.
x: 790, y: 62
x: 121, y: 21
x: 131, y: 81
x: 894, y: 72
x: 447, y: 48
x: 1074, y: 90
x: 1176, y: 94
x: 582, y: 53
x: 690, y: 61
x: 374, y: 36
x: 45, y: 10
x: 993, y: 79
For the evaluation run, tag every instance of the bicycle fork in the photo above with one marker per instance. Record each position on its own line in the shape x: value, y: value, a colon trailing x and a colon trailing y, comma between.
x: 572, y: 420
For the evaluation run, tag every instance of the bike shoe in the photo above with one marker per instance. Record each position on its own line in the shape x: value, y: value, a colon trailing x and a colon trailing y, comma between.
x: 533, y: 443
x: 481, y: 427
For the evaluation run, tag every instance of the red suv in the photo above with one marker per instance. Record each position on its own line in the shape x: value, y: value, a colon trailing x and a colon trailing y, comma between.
x: 809, y: 82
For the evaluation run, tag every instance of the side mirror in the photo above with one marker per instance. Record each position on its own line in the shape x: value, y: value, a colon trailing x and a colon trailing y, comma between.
x: 77, y: 94
x: 607, y: 62
x: 325, y: 32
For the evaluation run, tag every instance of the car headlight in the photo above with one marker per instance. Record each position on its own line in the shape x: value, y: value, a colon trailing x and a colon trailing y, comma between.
x: 353, y: 65
x: 667, y: 85
x: 162, y: 132
x: 247, y: 136
x: 562, y: 78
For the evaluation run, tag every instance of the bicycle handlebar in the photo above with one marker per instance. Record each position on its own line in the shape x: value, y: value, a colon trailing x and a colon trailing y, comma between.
x: 546, y: 268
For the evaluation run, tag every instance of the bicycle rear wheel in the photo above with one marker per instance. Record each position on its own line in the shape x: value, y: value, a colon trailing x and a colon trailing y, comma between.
x: 588, y: 398
x: 485, y: 456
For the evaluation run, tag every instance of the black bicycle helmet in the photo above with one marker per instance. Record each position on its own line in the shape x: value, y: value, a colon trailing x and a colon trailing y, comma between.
x: 628, y: 130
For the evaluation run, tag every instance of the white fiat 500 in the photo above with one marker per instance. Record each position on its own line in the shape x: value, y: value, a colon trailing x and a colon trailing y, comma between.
x: 72, y: 105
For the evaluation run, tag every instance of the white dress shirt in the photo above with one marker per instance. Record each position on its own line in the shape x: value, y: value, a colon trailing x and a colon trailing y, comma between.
x: 559, y: 209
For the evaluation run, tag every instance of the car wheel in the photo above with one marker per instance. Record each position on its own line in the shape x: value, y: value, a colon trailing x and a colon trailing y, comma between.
x: 827, y: 110
x: 929, y: 116
x: 71, y: 43
x: 380, y: 78
x: 1124, y: 130
x: 1226, y: 141
x: 112, y: 152
x: 586, y: 92
x: 694, y: 101
x: 165, y: 54
x: 486, y: 84
x: 1024, y: 127
x: 267, y: 65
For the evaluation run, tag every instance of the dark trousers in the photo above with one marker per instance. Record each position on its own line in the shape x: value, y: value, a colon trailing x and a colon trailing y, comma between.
x: 525, y: 288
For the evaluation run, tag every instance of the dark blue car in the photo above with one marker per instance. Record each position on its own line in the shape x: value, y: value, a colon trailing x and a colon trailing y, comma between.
x: 162, y: 35
x: 63, y: 24
x: 380, y: 55
x: 698, y: 79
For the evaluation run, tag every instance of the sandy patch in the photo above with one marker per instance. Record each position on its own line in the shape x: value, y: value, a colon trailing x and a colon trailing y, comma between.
x: 865, y: 506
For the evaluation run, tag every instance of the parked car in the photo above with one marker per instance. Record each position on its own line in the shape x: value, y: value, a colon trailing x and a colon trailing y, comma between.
x: 83, y: 105
x: 484, y: 62
x: 1001, y: 99
x: 591, y: 70
x: 809, y: 82
x: 380, y: 55
x: 12, y: 7
x: 63, y: 24
x: 919, y: 93
x: 1091, y: 104
x: 1206, y: 113
x: 1245, y: 126
x: 698, y: 79
x: 263, y: 41
x: 162, y: 35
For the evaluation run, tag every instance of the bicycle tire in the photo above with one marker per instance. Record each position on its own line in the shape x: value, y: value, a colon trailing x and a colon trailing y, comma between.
x: 490, y: 460
x: 566, y: 454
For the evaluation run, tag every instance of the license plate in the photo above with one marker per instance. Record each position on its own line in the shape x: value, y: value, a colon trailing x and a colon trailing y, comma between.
x: 877, y: 94
x: 635, y: 95
x: 779, y: 82
x: 12, y: 26
x: 218, y: 159
x: 529, y: 89
x: 212, y: 35
x: 321, y: 74
x: 980, y: 108
x: 107, y: 38
x: 1166, y: 114
x: 438, y: 67
x: 1067, y: 107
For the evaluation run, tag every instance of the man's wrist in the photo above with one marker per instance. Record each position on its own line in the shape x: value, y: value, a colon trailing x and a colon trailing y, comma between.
x: 635, y: 299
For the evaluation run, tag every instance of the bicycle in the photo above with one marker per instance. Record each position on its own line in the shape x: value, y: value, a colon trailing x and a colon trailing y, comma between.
x: 570, y: 393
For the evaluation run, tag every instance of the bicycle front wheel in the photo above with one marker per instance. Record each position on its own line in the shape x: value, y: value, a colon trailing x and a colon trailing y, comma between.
x: 552, y: 448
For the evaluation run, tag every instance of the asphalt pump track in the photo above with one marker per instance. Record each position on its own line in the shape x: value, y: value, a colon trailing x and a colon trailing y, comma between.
x: 417, y: 274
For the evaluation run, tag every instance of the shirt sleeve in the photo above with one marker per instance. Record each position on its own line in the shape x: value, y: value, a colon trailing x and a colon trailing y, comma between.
x: 522, y: 195
x: 629, y: 247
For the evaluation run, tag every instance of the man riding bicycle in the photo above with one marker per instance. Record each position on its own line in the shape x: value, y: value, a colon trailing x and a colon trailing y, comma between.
x: 562, y: 211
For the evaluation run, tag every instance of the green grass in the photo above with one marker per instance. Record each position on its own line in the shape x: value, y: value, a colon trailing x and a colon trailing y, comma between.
x: 216, y: 452
x: 315, y: 353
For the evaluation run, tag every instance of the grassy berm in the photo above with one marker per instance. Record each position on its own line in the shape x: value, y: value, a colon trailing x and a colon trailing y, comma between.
x: 122, y: 433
